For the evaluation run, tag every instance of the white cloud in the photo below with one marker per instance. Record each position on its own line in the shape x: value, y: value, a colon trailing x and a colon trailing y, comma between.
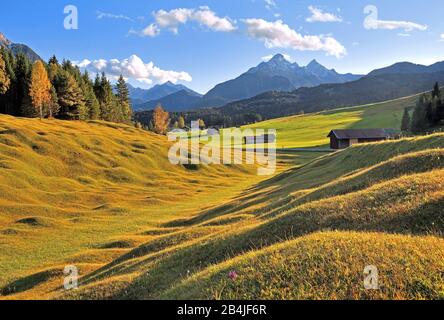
x: 441, y: 37
x: 372, y: 22
x: 270, y: 4
x: 171, y: 20
x: 404, y: 35
x: 319, y: 16
x: 279, y: 35
x: 103, y: 15
x: 151, y: 31
x: 133, y: 68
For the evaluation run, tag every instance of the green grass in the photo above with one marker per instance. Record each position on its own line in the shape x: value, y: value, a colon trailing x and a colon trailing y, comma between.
x: 275, y: 220
x: 311, y: 130
x: 103, y: 197
x: 69, y: 187
x: 326, y: 264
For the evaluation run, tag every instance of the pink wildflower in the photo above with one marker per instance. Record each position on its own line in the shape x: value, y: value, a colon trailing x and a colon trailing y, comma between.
x: 233, y: 275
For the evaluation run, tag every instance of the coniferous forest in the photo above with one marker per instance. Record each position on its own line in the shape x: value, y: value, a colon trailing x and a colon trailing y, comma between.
x: 59, y: 90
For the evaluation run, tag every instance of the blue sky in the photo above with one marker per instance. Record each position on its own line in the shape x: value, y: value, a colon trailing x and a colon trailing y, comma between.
x: 209, y: 41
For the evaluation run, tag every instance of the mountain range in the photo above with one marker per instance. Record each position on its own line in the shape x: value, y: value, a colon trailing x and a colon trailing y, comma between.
x: 279, y: 88
x: 17, y: 48
x: 140, y: 96
x: 396, y: 81
x: 393, y: 82
x: 277, y: 74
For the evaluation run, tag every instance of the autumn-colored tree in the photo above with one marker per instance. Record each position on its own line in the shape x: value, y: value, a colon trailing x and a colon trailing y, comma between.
x: 181, y: 122
x: 202, y: 124
x: 40, y: 87
x: 161, y: 120
x: 4, y: 78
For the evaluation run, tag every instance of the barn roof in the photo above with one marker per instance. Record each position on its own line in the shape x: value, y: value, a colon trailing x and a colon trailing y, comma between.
x: 362, y: 133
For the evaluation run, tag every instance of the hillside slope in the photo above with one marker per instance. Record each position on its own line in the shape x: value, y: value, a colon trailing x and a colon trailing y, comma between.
x: 71, y: 188
x: 288, y: 235
x: 369, y: 89
x: 311, y: 130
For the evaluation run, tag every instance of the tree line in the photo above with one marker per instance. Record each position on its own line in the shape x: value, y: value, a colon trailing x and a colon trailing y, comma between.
x: 427, y: 114
x: 59, y: 90
x: 160, y: 121
x: 209, y: 117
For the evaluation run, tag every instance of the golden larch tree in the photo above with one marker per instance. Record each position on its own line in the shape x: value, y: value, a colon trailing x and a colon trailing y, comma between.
x: 40, y: 88
x: 161, y: 120
x: 4, y: 78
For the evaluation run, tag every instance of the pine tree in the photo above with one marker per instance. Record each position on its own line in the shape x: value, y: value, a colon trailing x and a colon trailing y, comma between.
x: 70, y: 97
x: 5, y: 81
x: 106, y: 98
x: 91, y: 102
x: 53, y: 106
x: 123, y: 100
x: 419, y: 119
x: 53, y: 68
x: 40, y: 87
x: 161, y: 120
x: 151, y: 126
x: 405, y: 126
x: 436, y: 92
x: 21, y: 99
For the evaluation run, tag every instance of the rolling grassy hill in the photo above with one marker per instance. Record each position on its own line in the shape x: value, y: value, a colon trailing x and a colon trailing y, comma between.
x: 287, y: 238
x: 102, y: 197
x: 73, y: 190
x: 311, y: 130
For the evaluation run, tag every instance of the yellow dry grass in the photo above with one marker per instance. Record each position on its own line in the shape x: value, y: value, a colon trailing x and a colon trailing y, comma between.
x: 104, y: 198
x: 80, y: 192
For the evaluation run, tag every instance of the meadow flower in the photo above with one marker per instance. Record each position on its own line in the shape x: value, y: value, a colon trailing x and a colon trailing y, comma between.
x: 233, y: 275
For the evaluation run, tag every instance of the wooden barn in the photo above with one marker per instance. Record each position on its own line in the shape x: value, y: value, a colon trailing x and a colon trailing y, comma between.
x: 341, y: 139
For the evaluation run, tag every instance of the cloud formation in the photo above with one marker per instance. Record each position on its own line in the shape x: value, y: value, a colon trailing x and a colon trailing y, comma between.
x: 103, y: 15
x: 279, y: 35
x: 372, y: 22
x: 270, y: 4
x: 317, y: 15
x: 171, y: 20
x: 133, y: 68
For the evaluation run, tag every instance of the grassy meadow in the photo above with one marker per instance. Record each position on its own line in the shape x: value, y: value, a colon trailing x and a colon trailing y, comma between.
x: 311, y: 130
x: 73, y: 191
x: 104, y: 197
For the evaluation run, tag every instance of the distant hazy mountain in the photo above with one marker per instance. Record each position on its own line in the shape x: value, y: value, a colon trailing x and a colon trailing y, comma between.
x: 278, y: 74
x: 369, y: 89
x: 179, y: 101
x: 408, y: 68
x: 141, y: 96
x: 17, y: 48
